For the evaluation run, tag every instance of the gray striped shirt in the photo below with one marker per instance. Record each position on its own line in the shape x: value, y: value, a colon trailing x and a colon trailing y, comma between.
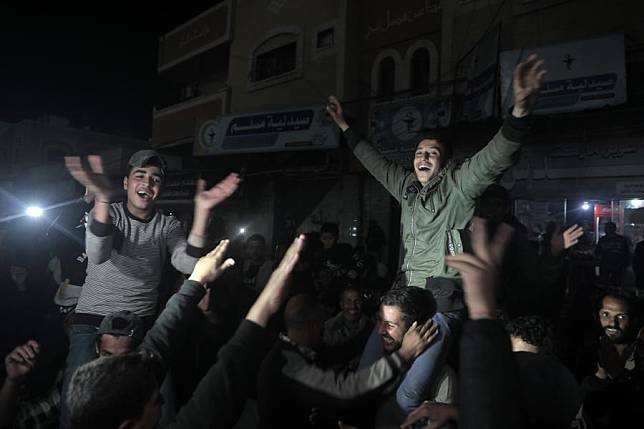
x: 125, y: 264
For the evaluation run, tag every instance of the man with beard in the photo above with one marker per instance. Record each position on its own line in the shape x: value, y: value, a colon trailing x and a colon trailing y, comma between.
x: 346, y: 333
x: 295, y: 389
x: 615, y: 393
x: 350, y: 322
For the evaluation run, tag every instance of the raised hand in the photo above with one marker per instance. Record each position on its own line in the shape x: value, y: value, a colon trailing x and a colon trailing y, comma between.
x: 526, y: 82
x: 21, y: 361
x: 417, y: 339
x: 213, y: 265
x: 207, y: 199
x: 560, y: 242
x: 480, y: 271
x: 334, y: 108
x: 572, y: 235
x: 435, y: 414
x: 94, y: 179
x: 272, y: 296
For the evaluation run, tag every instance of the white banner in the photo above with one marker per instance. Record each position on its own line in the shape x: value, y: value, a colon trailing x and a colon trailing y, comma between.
x: 302, y: 128
x: 586, y: 74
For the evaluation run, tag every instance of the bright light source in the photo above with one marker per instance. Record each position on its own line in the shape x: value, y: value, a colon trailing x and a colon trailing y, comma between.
x: 636, y: 204
x: 34, y: 211
x: 585, y: 206
x: 242, y: 230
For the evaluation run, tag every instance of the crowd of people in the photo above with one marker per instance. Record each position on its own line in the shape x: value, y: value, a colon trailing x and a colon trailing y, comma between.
x: 478, y: 327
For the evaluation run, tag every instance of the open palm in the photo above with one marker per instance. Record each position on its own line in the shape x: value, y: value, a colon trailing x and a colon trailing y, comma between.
x: 209, y: 198
x: 526, y: 83
x: 95, y: 180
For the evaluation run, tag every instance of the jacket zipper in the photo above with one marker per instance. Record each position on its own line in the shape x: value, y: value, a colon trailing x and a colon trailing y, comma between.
x: 413, y: 233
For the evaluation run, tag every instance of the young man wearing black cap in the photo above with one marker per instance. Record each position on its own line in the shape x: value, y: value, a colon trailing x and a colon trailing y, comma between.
x: 119, y: 333
x: 127, y: 244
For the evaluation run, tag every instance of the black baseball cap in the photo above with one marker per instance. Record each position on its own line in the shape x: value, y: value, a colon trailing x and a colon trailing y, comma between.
x: 146, y: 157
x: 123, y: 324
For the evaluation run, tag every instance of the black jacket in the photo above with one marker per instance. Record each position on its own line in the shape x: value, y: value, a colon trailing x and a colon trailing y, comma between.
x: 222, y: 393
x: 294, y: 392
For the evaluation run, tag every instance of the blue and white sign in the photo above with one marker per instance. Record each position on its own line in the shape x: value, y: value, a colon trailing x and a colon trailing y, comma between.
x: 303, y: 128
x: 395, y: 126
x: 586, y: 74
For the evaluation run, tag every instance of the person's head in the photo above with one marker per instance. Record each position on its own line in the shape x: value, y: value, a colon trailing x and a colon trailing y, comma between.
x: 255, y: 248
x: 616, y: 317
x: 494, y: 204
x: 399, y: 308
x: 610, y: 228
x: 119, y: 333
x: 115, y: 392
x: 144, y: 180
x: 431, y: 155
x: 304, y: 321
x: 530, y: 333
x: 20, y: 263
x: 19, y: 274
x: 329, y: 234
x: 351, y: 304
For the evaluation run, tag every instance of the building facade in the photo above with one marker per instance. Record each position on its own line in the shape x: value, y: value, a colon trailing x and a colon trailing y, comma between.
x: 258, y: 66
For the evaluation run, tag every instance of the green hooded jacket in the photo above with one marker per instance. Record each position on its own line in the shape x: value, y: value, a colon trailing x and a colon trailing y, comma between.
x: 433, y: 215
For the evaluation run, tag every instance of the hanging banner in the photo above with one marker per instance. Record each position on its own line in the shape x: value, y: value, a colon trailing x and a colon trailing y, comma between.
x: 480, y: 70
x: 586, y: 74
x: 396, y: 125
x: 302, y: 128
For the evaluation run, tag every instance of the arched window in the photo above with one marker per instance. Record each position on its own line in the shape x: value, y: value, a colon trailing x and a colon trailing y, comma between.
x: 419, y: 71
x: 386, y: 78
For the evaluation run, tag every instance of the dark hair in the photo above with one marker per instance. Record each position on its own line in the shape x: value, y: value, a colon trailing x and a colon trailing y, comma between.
x: 534, y: 330
x: 152, y: 162
x: 108, y: 391
x: 351, y: 288
x: 440, y: 135
x: 257, y: 237
x: 331, y: 228
x: 416, y: 304
x: 617, y: 294
x: 300, y: 309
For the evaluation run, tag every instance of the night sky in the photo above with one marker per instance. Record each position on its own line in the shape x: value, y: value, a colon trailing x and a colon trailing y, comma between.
x: 95, y: 66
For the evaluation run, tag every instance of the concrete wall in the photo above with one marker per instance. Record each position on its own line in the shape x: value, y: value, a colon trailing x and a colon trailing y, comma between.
x: 316, y: 75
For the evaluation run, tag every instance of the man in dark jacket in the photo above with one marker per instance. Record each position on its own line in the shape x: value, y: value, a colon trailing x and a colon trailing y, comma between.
x: 488, y: 378
x: 123, y: 391
x: 613, y: 252
x: 295, y: 390
x: 614, y: 394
